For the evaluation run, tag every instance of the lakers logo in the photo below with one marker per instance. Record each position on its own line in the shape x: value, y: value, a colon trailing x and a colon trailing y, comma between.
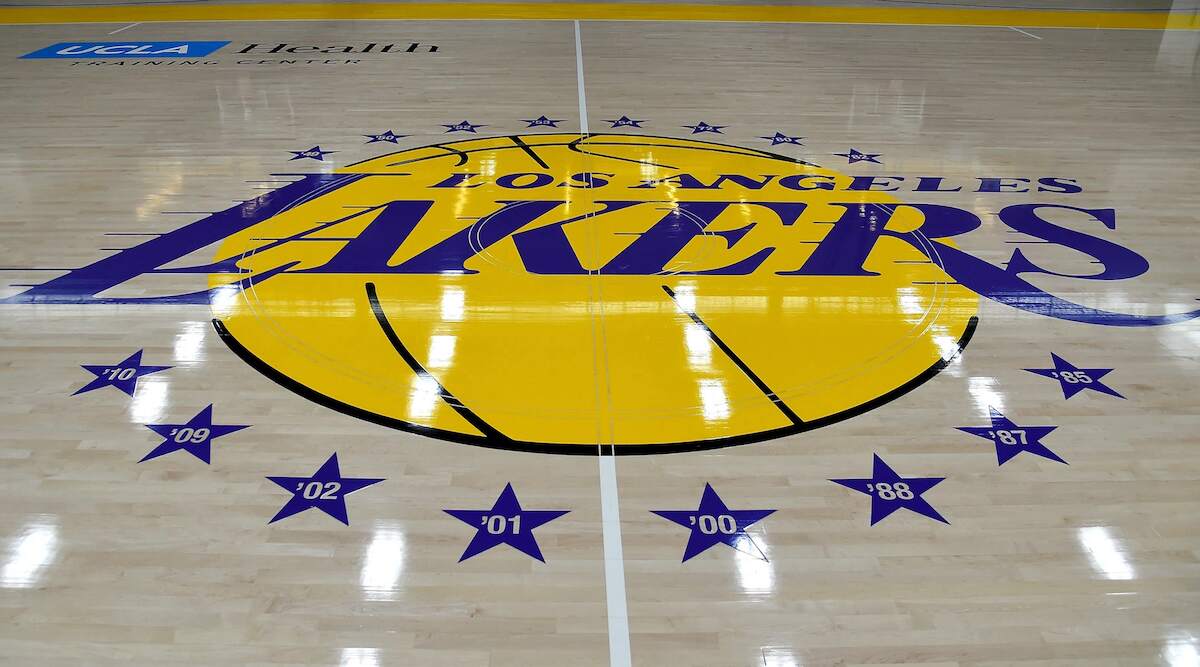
x: 553, y: 292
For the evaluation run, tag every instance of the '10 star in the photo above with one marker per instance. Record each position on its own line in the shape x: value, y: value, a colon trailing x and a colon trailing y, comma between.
x: 123, y: 375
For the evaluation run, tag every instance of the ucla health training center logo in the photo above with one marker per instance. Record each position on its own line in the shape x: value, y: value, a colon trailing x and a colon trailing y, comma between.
x: 479, y: 290
x: 127, y: 50
x: 157, y: 53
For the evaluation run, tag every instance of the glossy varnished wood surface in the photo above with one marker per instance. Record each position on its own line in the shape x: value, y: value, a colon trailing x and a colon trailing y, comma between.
x: 107, y: 561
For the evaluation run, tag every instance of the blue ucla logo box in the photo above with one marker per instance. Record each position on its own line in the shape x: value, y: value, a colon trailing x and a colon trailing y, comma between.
x: 126, y: 50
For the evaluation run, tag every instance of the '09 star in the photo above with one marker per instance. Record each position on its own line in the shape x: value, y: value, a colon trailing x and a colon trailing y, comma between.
x: 194, y: 437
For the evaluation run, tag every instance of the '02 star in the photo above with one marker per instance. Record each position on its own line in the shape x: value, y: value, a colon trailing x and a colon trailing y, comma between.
x: 1011, y: 439
x: 123, y: 375
x: 890, y: 492
x: 1074, y: 380
x: 713, y: 523
x: 855, y: 155
x: 705, y: 127
x: 389, y: 136
x: 464, y: 126
x: 195, y: 437
x: 781, y: 138
x: 505, y: 523
x: 314, y: 153
x: 326, y: 490
x: 541, y: 121
x: 624, y: 121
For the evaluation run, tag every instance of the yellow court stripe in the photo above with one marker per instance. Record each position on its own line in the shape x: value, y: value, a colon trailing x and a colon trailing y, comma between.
x: 603, y: 11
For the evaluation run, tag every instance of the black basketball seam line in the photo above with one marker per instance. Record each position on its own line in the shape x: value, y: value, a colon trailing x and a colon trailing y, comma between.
x: 529, y: 151
x: 707, y: 147
x: 737, y: 361
x: 577, y: 448
x: 574, y: 147
x: 450, y: 399
x: 583, y: 449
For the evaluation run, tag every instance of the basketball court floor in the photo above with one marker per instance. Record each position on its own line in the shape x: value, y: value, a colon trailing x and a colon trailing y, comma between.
x: 485, y: 335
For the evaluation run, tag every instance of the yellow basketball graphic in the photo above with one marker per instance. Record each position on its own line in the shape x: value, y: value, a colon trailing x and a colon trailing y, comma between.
x: 554, y: 292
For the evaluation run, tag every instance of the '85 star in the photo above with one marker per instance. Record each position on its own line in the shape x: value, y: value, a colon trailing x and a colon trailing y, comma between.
x: 1074, y: 380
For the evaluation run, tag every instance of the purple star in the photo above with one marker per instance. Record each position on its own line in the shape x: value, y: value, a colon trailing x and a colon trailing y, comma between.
x: 314, y: 153
x: 856, y: 155
x: 781, y: 138
x: 890, y: 492
x: 389, y: 136
x: 464, y: 126
x: 195, y: 437
x: 1011, y: 439
x: 1074, y: 380
x: 541, y: 121
x: 122, y: 375
x: 326, y: 490
x: 624, y: 121
x: 705, y: 127
x: 714, y: 523
x: 506, y: 523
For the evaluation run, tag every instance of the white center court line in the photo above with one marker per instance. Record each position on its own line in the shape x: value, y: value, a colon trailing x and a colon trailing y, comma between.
x: 1027, y: 34
x: 619, y: 654
x: 131, y: 25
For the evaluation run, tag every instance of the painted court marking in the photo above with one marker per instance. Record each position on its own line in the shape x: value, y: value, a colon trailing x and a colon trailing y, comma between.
x: 1027, y: 34
x: 619, y: 654
x: 594, y: 11
x: 131, y: 25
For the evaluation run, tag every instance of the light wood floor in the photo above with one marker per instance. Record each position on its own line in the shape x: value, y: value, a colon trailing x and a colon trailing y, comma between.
x: 108, y: 561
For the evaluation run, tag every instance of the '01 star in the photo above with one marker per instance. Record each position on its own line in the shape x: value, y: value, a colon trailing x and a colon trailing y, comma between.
x: 505, y: 523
